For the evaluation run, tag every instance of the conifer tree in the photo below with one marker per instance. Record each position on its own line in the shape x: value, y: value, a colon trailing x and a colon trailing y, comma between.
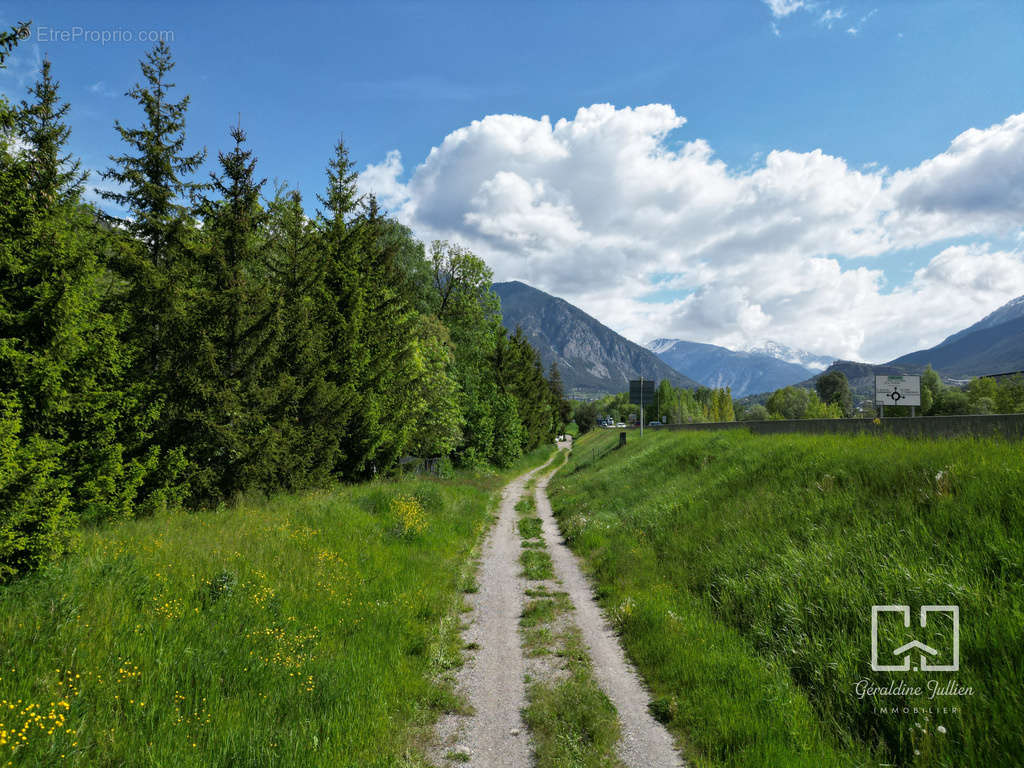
x: 342, y: 241
x: 390, y: 337
x: 60, y: 362
x: 68, y: 339
x: 519, y: 374
x: 306, y: 413
x: 55, y: 178
x: 508, y: 431
x: 152, y: 190
x: 9, y: 40
x: 34, y: 496
x: 561, y: 408
x: 154, y: 179
x: 234, y: 332
x: 155, y: 263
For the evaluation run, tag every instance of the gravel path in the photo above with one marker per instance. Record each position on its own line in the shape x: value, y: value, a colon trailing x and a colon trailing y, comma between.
x: 645, y: 743
x: 492, y: 677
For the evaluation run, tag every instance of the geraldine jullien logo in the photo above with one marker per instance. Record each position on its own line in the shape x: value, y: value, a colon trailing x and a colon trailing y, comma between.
x: 924, y: 664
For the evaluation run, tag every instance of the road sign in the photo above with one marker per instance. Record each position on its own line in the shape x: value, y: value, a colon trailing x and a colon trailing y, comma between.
x: 898, y: 390
x: 635, y: 391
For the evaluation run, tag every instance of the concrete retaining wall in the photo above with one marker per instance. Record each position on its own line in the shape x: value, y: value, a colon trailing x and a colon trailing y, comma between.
x: 1009, y: 426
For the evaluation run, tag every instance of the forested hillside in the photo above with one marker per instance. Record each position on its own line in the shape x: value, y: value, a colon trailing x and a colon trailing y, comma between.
x: 194, y: 338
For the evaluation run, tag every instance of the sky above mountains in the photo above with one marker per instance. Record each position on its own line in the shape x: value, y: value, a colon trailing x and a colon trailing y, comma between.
x: 846, y: 178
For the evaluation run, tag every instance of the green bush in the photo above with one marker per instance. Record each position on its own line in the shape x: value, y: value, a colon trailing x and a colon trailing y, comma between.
x: 37, y: 518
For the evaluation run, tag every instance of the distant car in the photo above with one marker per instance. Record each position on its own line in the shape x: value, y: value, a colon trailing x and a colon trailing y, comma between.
x: 654, y: 424
x: 620, y: 425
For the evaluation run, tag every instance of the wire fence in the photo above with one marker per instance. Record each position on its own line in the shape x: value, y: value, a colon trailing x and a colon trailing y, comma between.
x: 588, y: 458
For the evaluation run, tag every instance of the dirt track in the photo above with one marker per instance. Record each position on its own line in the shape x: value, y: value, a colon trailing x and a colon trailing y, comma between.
x: 492, y: 680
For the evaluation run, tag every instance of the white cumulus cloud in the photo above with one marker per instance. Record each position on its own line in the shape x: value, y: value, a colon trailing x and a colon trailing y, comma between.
x: 974, y: 187
x: 609, y: 211
x: 382, y: 180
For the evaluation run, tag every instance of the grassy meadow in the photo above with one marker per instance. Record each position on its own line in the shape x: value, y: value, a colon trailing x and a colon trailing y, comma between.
x: 741, y: 572
x: 307, y: 630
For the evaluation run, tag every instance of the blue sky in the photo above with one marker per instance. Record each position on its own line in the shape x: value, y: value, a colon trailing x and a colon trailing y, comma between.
x: 877, y: 88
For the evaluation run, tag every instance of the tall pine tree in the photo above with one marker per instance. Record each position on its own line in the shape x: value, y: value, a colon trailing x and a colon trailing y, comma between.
x: 34, y: 494
x: 75, y: 339
x: 342, y: 242
x: 390, y: 336
x: 234, y: 332
x: 61, y: 367
x: 156, y: 263
x: 307, y: 411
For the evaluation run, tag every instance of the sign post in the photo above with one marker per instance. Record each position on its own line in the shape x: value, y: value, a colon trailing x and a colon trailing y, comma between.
x: 897, y: 390
x: 639, y: 391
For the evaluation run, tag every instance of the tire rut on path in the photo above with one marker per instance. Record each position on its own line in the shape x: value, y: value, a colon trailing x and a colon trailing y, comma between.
x: 644, y: 743
x: 491, y: 680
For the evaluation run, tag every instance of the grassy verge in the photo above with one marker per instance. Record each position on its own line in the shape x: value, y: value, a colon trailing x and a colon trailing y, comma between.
x: 307, y: 630
x: 741, y: 572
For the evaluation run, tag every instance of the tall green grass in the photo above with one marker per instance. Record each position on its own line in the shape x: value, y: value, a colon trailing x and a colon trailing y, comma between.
x: 741, y: 572
x: 309, y: 630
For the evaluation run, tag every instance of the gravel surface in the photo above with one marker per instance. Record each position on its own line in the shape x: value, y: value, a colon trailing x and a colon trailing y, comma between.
x: 645, y: 743
x: 491, y: 680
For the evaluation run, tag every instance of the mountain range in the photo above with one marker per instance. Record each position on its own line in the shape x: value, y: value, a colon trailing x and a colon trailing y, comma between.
x: 762, y: 369
x: 792, y: 355
x: 994, y: 344
x: 593, y: 359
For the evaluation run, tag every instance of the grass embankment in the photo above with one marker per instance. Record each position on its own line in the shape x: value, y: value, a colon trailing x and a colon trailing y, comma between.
x: 309, y: 630
x: 741, y: 572
x: 572, y: 721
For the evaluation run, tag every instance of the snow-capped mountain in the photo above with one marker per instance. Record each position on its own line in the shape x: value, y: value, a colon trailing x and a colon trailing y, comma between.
x: 657, y: 346
x: 790, y: 355
x: 744, y: 372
